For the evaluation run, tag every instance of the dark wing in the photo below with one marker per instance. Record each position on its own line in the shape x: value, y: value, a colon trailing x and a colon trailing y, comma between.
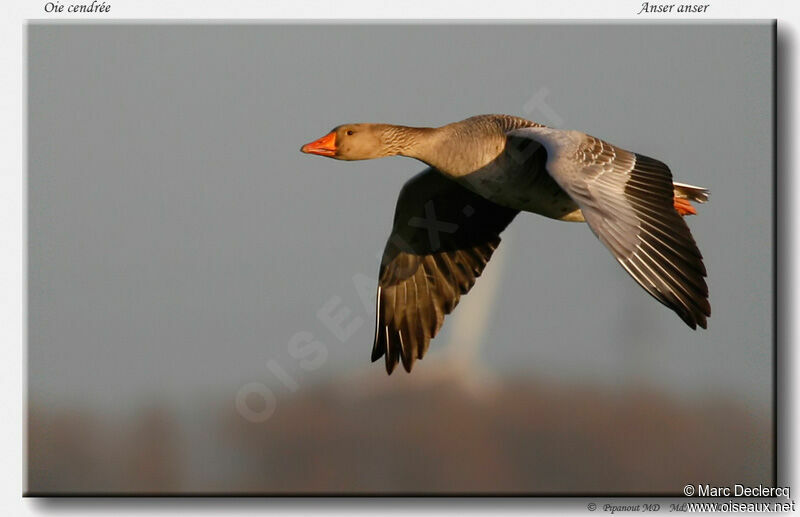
x: 627, y: 200
x: 443, y: 236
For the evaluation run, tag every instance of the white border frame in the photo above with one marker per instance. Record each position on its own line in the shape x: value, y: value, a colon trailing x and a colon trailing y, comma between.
x: 13, y: 207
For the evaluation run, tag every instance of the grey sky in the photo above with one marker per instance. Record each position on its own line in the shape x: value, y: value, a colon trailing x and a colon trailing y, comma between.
x: 178, y: 239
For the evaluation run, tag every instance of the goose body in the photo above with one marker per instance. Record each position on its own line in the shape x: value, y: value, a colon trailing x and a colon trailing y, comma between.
x: 482, y: 172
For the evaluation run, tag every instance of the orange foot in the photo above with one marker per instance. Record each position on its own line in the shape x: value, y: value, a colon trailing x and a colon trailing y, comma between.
x: 684, y: 207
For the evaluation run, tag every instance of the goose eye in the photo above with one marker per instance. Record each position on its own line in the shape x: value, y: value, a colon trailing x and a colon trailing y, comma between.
x: 349, y: 132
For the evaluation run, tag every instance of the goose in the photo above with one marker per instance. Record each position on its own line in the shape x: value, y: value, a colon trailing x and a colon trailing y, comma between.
x: 483, y: 171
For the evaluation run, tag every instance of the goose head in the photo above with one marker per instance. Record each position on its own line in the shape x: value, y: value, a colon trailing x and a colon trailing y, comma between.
x: 353, y: 142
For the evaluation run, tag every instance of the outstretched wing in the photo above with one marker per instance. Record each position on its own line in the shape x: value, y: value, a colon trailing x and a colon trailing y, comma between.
x: 443, y: 236
x: 627, y: 200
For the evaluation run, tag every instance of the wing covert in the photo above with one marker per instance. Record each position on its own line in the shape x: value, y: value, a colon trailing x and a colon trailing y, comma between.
x: 628, y: 201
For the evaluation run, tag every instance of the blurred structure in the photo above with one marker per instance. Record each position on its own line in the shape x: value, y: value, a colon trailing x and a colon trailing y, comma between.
x: 73, y: 451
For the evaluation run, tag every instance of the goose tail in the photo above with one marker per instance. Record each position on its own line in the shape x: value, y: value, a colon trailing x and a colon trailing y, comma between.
x: 685, y: 194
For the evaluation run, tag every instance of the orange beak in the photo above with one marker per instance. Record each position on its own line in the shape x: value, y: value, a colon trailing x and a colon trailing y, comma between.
x: 325, y: 146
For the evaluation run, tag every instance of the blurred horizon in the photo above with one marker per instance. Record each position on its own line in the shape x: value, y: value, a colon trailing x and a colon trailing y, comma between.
x: 522, y: 437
